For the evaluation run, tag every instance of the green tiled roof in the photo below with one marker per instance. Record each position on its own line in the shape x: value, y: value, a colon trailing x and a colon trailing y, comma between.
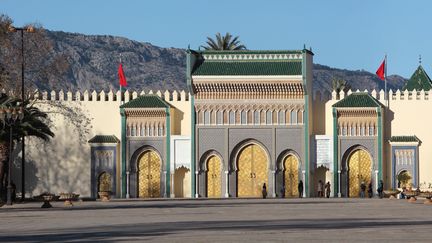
x: 404, y: 139
x: 104, y: 139
x: 146, y: 101
x: 419, y: 80
x: 250, y: 67
x: 358, y: 99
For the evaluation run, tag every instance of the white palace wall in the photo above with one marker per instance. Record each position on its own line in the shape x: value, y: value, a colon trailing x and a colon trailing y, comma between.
x: 64, y: 163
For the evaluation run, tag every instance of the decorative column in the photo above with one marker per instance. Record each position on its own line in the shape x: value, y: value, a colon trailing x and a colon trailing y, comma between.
x: 273, y: 183
x: 226, y: 184
x: 196, y: 184
x: 304, y: 183
x: 376, y: 180
x: 165, y: 191
x: 339, y: 184
x: 172, y: 185
x: 127, y: 184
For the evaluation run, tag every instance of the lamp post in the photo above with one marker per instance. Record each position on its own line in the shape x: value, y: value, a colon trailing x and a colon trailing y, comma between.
x: 9, y: 117
x: 28, y: 29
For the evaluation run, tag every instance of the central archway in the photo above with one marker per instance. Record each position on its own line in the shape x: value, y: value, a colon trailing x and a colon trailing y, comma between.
x: 149, y: 168
x: 252, y: 172
x: 291, y: 180
x: 359, y: 170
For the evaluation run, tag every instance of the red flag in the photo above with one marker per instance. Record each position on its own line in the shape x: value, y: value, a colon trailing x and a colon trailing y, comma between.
x: 380, y: 71
x: 121, y: 75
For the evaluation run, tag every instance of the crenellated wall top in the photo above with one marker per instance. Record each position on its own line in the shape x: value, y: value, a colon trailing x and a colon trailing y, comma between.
x: 379, y: 95
x: 111, y: 96
x: 185, y: 96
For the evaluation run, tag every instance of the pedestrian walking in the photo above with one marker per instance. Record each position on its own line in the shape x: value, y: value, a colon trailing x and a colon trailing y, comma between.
x: 300, y: 188
x: 380, y: 189
x: 282, y: 191
x: 264, y: 191
x: 369, y: 190
x: 320, y: 188
x: 327, y: 189
x: 362, y: 189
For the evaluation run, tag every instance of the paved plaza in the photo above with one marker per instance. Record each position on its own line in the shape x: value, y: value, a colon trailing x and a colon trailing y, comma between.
x: 224, y: 220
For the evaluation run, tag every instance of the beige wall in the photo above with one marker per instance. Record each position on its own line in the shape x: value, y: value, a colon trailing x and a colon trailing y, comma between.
x: 64, y: 163
x: 405, y: 117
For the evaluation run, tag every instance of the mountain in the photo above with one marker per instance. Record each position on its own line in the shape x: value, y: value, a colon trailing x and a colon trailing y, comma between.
x: 94, y: 59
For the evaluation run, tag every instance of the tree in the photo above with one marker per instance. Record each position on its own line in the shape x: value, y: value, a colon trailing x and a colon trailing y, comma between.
x: 224, y: 43
x: 33, y: 124
x: 404, y: 177
x: 40, y: 61
x: 339, y: 84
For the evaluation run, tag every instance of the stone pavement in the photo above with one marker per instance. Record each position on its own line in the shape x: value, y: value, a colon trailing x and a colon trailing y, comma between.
x: 223, y: 220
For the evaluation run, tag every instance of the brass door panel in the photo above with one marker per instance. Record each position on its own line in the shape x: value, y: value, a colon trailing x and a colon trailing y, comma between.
x: 214, y: 179
x: 149, y: 175
x: 252, y: 171
x: 104, y: 182
x: 291, y: 176
x: 359, y: 170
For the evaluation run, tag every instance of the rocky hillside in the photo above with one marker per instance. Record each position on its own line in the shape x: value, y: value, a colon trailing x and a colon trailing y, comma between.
x: 94, y: 59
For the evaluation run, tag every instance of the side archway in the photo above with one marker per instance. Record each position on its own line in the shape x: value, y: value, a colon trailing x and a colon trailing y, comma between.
x: 357, y: 169
x: 288, y: 174
x: 149, y: 171
x: 211, y: 176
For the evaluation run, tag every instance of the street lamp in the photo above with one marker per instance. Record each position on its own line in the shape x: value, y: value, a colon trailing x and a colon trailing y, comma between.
x: 28, y: 29
x: 9, y: 117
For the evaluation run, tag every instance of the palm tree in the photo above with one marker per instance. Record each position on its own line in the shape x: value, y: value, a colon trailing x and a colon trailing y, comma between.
x: 224, y: 43
x: 339, y: 84
x: 33, y: 124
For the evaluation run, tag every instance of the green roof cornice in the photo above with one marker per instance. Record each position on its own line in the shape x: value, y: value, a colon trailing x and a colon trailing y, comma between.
x: 419, y: 81
x: 405, y: 139
x: 223, y: 52
x: 146, y: 101
x: 104, y: 139
x: 358, y: 99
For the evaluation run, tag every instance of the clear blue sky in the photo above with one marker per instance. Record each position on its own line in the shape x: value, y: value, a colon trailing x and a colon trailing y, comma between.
x: 342, y: 33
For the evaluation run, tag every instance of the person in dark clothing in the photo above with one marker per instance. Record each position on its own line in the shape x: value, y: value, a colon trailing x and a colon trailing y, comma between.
x: 327, y: 189
x: 264, y: 191
x: 369, y: 190
x: 300, y: 188
x: 380, y: 189
x: 362, y: 189
x: 320, y: 188
x: 282, y: 191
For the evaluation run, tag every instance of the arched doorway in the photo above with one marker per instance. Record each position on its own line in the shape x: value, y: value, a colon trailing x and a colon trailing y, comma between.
x: 214, y: 178
x: 149, y: 166
x: 404, y: 179
x: 252, y: 171
x: 104, y: 182
x: 182, y: 182
x: 359, y: 170
x: 291, y: 179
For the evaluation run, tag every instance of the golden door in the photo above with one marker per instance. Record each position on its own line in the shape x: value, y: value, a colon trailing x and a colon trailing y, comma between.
x: 149, y: 175
x: 359, y: 165
x: 104, y: 182
x: 291, y: 176
x: 214, y: 180
x: 252, y: 171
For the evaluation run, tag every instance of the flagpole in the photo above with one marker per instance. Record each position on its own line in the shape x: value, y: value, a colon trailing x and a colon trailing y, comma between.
x: 385, y: 79
x: 121, y: 92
